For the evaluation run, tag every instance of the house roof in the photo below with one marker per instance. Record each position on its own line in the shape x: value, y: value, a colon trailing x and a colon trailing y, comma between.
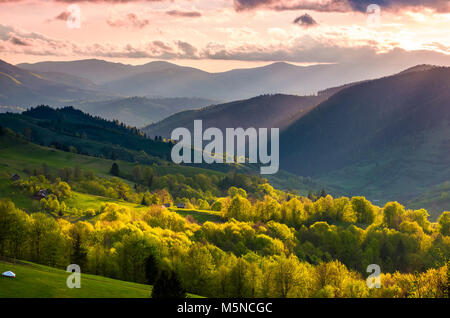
x: 8, y: 274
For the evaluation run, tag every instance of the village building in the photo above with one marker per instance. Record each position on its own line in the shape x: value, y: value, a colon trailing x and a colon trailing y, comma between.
x: 41, y: 194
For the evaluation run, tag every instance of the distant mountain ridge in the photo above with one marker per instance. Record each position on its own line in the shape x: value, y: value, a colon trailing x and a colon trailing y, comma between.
x: 140, y: 111
x: 164, y: 79
x: 98, y: 71
x: 24, y: 88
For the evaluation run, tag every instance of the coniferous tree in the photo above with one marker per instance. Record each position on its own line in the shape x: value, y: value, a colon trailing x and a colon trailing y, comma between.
x: 311, y: 196
x: 79, y: 255
x: 168, y: 285
x: 151, y: 269
x: 115, y: 169
x: 323, y: 193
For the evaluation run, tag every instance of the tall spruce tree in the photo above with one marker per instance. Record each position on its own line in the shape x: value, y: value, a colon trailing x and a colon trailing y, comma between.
x: 168, y: 285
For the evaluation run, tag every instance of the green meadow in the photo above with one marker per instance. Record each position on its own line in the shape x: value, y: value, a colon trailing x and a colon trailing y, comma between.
x: 16, y: 156
x: 38, y: 281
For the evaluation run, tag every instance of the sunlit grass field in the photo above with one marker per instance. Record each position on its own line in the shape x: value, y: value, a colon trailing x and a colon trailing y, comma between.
x: 38, y: 281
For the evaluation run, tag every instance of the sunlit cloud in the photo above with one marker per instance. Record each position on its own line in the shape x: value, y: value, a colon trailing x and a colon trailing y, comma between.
x: 128, y: 20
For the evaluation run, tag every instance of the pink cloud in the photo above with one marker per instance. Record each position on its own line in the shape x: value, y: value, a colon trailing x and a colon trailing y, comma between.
x: 129, y: 20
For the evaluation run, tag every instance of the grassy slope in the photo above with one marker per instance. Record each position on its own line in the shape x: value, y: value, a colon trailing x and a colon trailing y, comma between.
x: 41, y: 281
x: 15, y: 156
x: 200, y: 215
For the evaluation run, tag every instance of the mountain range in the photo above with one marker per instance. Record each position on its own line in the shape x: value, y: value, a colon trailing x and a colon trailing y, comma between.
x: 24, y: 88
x: 164, y: 79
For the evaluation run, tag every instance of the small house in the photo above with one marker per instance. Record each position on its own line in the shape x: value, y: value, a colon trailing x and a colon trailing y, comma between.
x: 181, y: 206
x: 15, y: 177
x: 9, y: 274
x: 167, y: 205
x: 41, y: 194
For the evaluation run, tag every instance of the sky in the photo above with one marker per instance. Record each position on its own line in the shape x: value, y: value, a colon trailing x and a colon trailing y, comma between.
x: 218, y: 35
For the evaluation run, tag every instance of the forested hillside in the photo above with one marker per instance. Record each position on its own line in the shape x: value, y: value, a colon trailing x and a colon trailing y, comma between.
x: 267, y: 111
x: 387, y: 139
x: 72, y: 130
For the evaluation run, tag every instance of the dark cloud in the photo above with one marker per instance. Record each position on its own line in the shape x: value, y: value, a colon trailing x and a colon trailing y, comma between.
x: 162, y: 45
x: 283, y: 5
x: 315, y: 5
x: 189, y: 50
x: 305, y: 21
x: 17, y: 41
x: 186, y: 14
x: 130, y: 20
x: 340, y: 5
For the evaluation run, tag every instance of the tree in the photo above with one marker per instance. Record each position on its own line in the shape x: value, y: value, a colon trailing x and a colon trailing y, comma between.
x: 322, y: 193
x: 239, y: 279
x: 289, y: 275
x: 168, y: 285
x: 137, y: 175
x: 444, y: 223
x: 400, y: 252
x: 240, y: 209
x: 393, y: 213
x: 217, y: 206
x: 13, y: 227
x: 27, y: 133
x: 233, y: 191
x: 115, y: 169
x: 198, y: 267
x: 311, y: 196
x: 63, y: 190
x: 151, y: 269
x: 41, y: 230
x: 202, y: 205
x: 80, y: 234
x: 365, y: 212
x: 79, y: 254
